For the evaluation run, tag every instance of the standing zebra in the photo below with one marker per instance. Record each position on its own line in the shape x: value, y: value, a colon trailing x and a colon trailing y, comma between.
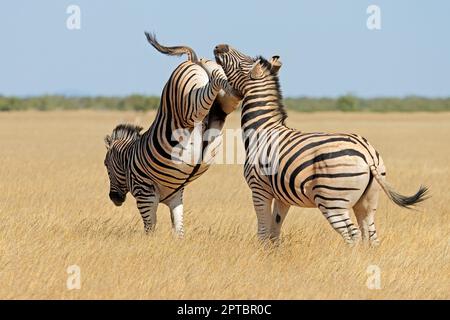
x: 333, y: 172
x: 150, y: 165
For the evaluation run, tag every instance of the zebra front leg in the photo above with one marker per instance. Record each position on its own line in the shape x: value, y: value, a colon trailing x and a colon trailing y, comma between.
x: 217, y: 77
x: 263, y: 208
x: 280, y: 211
x: 176, y: 213
x: 220, y: 81
x: 147, y: 200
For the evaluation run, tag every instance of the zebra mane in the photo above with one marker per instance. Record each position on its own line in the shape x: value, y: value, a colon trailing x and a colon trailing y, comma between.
x: 267, y: 65
x: 123, y: 131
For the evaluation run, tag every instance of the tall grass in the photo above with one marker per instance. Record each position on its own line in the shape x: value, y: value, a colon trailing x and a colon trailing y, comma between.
x: 55, y: 212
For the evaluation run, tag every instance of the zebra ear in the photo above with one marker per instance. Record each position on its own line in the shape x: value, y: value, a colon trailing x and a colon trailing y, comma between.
x: 276, y: 64
x: 108, y: 141
x: 257, y: 71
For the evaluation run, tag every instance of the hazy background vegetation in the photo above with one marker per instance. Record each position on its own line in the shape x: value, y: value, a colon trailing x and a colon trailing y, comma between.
x: 305, y: 104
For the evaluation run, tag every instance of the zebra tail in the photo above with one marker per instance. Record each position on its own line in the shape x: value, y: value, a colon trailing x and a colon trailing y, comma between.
x: 403, y: 201
x: 171, y: 51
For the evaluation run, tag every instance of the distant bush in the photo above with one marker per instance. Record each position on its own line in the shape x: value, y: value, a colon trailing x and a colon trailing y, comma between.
x: 346, y: 103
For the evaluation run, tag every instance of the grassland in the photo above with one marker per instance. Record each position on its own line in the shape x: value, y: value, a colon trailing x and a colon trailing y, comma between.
x: 55, y: 212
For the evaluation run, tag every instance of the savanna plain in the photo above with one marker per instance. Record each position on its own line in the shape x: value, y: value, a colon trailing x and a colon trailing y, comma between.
x: 55, y: 212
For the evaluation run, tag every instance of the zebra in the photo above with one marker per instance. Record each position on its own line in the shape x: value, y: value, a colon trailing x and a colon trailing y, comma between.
x: 149, y: 165
x: 332, y: 172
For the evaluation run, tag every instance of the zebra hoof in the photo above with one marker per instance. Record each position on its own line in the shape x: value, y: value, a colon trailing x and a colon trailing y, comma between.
x: 356, y: 238
x: 375, y: 243
x: 350, y: 242
x: 275, y: 241
x: 179, y: 235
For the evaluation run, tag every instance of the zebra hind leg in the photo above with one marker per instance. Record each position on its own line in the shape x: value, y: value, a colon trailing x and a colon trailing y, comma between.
x: 365, y: 210
x: 176, y: 213
x: 339, y: 219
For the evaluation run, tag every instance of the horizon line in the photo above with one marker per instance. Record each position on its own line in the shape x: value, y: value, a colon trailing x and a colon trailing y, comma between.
x: 92, y: 96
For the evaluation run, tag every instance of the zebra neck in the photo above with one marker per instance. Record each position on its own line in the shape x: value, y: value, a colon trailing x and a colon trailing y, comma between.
x: 262, y: 108
x: 126, y: 154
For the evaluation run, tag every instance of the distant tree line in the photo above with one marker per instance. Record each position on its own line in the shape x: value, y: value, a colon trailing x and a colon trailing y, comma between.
x: 353, y: 103
x: 304, y: 104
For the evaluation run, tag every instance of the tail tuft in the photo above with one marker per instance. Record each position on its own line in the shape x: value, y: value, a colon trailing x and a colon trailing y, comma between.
x: 408, y: 202
x: 171, y: 51
x: 400, y: 200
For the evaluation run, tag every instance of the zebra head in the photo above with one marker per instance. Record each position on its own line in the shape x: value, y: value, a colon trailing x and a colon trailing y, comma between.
x: 243, y: 71
x: 117, y: 145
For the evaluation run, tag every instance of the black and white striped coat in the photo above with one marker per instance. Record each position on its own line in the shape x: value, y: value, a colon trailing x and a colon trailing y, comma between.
x: 333, y: 172
x: 151, y: 165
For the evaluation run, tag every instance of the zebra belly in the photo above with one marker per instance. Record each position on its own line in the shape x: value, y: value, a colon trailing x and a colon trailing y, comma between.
x: 334, y: 172
x: 178, y: 175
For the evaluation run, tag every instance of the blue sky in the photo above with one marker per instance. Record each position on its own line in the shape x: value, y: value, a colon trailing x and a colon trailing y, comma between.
x: 325, y: 46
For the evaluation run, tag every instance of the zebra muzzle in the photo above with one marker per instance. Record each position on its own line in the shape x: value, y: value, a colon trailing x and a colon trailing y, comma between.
x: 221, y: 48
x: 117, y: 198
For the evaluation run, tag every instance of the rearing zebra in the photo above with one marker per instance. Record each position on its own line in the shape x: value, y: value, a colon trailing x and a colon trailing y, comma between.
x: 334, y: 172
x: 150, y: 165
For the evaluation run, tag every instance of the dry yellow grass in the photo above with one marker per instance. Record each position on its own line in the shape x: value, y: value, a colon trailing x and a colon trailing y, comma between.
x: 55, y: 212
